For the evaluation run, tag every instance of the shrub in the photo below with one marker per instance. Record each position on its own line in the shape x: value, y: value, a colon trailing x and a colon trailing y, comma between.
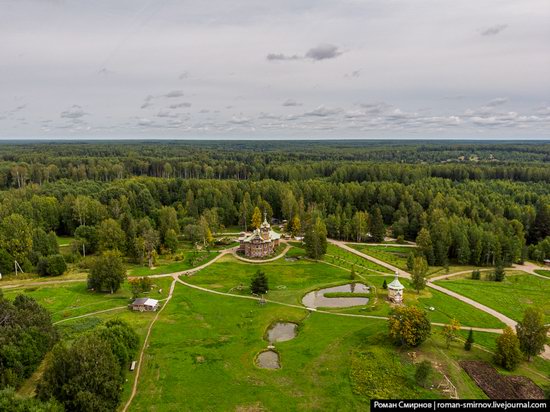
x: 476, y: 274
x: 56, y: 265
x: 52, y: 265
x: 409, y: 326
x: 508, y: 352
x: 423, y: 373
x: 469, y: 341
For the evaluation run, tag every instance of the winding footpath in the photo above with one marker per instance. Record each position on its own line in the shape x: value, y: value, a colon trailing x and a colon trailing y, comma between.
x: 503, y: 318
x: 145, y: 344
x: 257, y: 261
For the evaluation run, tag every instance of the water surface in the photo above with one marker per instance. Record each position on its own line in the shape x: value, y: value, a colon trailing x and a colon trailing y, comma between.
x: 268, y: 359
x: 317, y: 299
x: 281, y: 332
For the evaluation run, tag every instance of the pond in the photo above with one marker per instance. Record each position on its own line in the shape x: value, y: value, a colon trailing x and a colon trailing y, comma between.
x: 268, y: 359
x: 317, y: 298
x: 281, y: 332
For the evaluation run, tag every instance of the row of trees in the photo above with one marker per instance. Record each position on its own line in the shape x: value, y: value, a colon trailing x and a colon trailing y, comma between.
x: 410, y: 326
x: 342, y: 162
x: 88, y: 374
x: 26, y: 335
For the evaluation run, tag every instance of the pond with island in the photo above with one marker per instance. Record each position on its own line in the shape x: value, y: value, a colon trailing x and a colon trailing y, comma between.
x: 321, y: 298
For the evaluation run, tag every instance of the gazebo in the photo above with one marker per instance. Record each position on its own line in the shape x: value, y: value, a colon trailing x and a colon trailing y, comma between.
x: 395, y: 290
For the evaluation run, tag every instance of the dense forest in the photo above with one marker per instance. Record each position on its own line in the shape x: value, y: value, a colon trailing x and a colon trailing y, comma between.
x: 466, y: 202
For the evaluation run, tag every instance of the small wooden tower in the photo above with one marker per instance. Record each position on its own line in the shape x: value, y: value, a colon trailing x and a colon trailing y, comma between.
x: 395, y: 290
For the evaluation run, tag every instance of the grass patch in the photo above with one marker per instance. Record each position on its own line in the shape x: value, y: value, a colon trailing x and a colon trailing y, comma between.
x: 510, y: 297
x: 392, y: 254
x: 67, y: 300
x: 543, y: 272
x: 340, y: 257
x: 202, y: 351
x: 188, y: 260
x: 346, y: 295
x: 64, y: 240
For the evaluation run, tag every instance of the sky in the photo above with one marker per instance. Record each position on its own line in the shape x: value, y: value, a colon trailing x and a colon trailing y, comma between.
x: 284, y: 69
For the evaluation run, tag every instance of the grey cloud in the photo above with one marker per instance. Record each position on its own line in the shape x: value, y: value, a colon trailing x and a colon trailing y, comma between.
x: 320, y: 52
x: 375, y: 108
x: 291, y: 103
x: 174, y: 93
x: 323, y: 51
x: 269, y: 116
x: 105, y: 72
x: 281, y: 56
x: 239, y: 120
x: 322, y: 111
x: 354, y: 74
x: 494, y: 30
x: 184, y: 75
x: 74, y: 112
x: 166, y: 113
x: 179, y: 105
x: 145, y: 122
x: 497, y: 102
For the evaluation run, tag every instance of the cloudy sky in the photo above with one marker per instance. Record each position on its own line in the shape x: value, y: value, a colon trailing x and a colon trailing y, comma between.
x: 275, y: 69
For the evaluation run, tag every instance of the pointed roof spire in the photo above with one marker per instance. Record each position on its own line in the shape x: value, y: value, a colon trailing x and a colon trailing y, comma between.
x: 395, y: 284
x: 265, y: 224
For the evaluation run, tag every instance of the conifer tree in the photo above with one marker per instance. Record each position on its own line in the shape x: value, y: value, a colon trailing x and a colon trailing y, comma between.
x: 469, y: 341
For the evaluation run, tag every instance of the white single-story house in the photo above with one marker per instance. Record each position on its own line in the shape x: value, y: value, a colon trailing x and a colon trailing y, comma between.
x: 145, y: 304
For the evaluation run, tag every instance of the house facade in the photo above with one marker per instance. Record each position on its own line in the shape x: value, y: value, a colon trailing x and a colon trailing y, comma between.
x: 262, y: 242
x: 395, y: 290
x: 145, y: 305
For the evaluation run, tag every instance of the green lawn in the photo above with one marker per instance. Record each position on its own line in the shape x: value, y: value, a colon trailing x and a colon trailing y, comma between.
x: 392, y: 254
x: 188, y: 260
x: 348, y: 260
x: 543, y: 272
x: 288, y: 281
x: 445, y: 307
x: 67, y: 300
x: 203, y: 348
x: 510, y: 297
x: 64, y: 240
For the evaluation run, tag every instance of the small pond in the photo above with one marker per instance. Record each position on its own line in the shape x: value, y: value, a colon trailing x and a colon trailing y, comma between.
x: 268, y: 359
x: 317, y: 299
x: 281, y: 332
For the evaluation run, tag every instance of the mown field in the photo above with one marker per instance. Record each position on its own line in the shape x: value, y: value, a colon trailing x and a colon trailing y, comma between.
x: 201, y: 354
x: 397, y: 255
x: 203, y: 348
x: 510, y: 297
x: 186, y: 260
x: 68, y: 300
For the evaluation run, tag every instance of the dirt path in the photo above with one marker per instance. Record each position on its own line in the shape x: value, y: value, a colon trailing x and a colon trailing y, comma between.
x: 527, y: 267
x: 506, y: 320
x: 530, y: 268
x: 462, y: 272
x: 192, y: 270
x: 91, y: 314
x: 383, y: 244
x: 325, y: 312
x: 287, y: 248
x: 45, y: 283
x: 393, y: 268
x: 145, y: 344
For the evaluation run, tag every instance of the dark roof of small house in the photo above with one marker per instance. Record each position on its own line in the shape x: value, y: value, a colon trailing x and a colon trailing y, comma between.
x: 145, y: 301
